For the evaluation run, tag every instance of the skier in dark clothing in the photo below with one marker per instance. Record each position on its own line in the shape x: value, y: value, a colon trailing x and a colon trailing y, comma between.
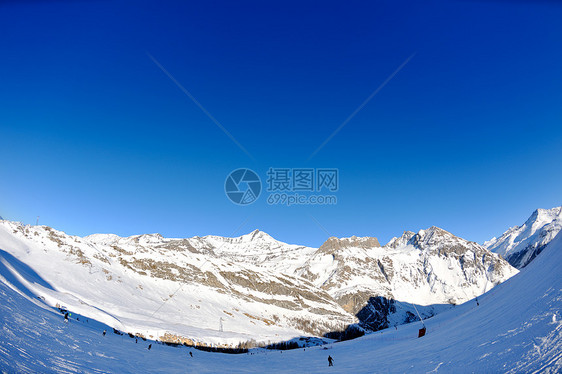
x: 66, y: 317
x: 104, y: 332
x: 330, y: 361
x: 149, y: 346
x: 136, y: 340
x: 191, y: 354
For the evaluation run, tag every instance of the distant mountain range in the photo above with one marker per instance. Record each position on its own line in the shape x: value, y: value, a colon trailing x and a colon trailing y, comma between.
x: 222, y: 291
x: 514, y: 328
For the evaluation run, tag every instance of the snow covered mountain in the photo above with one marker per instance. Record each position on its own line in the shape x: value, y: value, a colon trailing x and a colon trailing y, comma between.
x: 223, y: 291
x: 469, y: 338
x: 521, y: 244
x: 171, y: 289
x: 432, y: 269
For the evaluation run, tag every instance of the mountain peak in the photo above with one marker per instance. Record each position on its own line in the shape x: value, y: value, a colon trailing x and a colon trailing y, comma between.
x: 436, y: 237
x: 544, y: 215
x: 152, y: 237
x: 257, y: 232
x: 521, y: 244
x: 434, y: 232
x: 435, y: 229
x: 401, y: 241
x: 257, y: 235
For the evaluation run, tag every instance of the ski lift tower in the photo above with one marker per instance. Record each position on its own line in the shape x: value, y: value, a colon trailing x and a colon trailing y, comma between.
x: 423, y: 330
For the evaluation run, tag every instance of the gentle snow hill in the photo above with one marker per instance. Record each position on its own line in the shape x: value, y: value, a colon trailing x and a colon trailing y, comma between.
x: 516, y: 328
x: 521, y: 244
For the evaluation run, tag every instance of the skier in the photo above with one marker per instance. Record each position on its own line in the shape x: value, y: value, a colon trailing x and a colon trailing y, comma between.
x: 104, y: 332
x: 136, y: 340
x: 149, y: 346
x: 330, y: 361
x: 191, y: 354
x: 66, y: 317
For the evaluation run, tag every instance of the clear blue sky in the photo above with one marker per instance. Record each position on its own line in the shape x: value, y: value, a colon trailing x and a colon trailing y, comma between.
x: 96, y: 138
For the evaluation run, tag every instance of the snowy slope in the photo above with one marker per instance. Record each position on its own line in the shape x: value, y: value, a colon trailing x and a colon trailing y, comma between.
x: 154, y: 286
x: 256, y: 287
x: 465, y: 339
x: 521, y: 244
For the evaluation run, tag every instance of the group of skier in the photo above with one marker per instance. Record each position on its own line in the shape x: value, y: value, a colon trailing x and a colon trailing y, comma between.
x: 67, y: 315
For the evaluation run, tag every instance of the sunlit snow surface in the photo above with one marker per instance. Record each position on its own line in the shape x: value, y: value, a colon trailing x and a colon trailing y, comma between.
x: 513, y: 330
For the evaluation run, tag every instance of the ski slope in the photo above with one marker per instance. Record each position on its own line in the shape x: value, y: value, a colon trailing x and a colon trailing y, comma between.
x: 516, y: 328
x: 260, y: 289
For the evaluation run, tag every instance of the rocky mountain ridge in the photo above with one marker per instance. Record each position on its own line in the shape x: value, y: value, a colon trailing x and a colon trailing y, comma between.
x: 519, y: 245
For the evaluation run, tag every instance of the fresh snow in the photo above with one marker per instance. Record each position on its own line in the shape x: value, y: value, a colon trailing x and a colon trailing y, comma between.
x: 514, y: 329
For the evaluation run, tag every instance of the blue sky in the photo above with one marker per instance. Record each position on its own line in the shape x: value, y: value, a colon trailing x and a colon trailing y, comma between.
x: 95, y: 137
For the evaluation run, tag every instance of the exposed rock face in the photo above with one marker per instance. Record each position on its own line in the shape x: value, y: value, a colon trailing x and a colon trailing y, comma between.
x: 375, y: 313
x: 521, y: 244
x: 335, y: 244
